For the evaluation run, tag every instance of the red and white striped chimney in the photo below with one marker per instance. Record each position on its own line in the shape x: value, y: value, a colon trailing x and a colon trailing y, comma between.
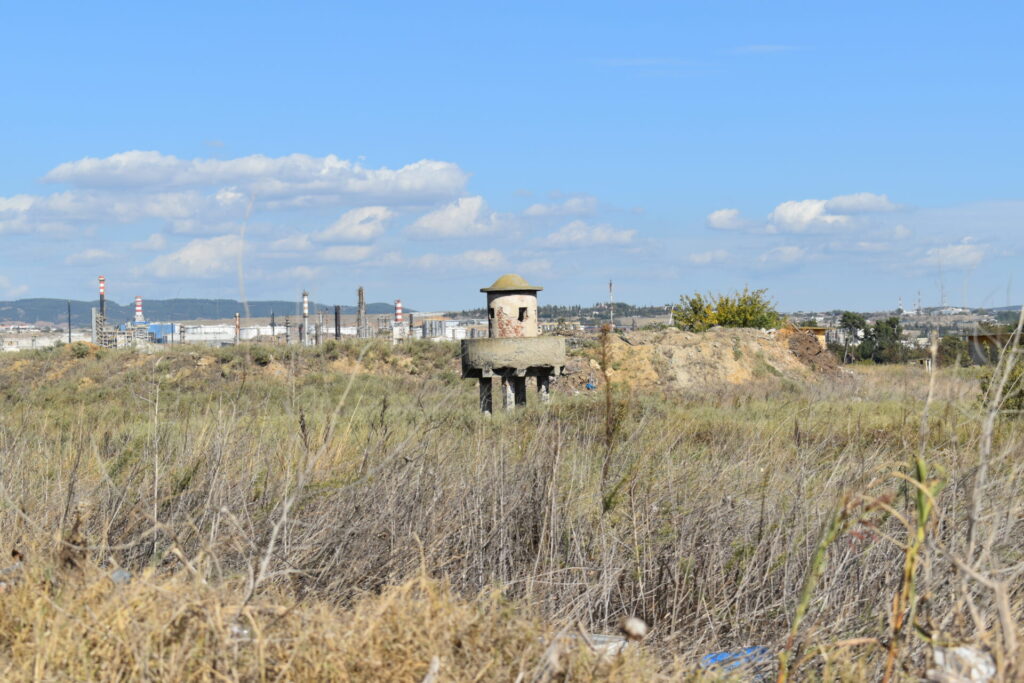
x: 138, y: 310
x: 103, y: 295
x: 398, y: 312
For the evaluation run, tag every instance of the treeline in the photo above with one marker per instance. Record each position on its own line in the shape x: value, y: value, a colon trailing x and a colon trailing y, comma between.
x: 585, y: 314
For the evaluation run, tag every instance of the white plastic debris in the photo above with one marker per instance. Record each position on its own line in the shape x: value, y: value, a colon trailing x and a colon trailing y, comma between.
x: 961, y: 664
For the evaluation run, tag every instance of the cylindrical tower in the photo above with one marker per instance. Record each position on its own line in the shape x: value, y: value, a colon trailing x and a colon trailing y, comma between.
x: 103, y: 295
x: 398, y: 312
x: 138, y: 310
x: 512, y: 307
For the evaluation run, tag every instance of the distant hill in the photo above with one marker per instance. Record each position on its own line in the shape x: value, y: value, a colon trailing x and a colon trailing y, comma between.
x: 56, y: 310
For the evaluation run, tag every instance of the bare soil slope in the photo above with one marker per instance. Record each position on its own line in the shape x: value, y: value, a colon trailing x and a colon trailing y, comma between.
x: 687, y: 361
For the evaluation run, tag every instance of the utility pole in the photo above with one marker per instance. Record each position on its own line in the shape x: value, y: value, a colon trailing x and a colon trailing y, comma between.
x: 611, y: 304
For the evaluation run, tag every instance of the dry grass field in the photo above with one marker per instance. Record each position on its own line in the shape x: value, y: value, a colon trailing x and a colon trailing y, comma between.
x: 345, y: 513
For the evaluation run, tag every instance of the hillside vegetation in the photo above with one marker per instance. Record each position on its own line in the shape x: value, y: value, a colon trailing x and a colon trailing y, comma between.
x: 345, y: 513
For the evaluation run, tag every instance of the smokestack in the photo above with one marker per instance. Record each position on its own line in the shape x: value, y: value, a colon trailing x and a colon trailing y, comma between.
x: 361, y: 315
x: 138, y: 310
x: 398, y: 312
x: 337, y: 322
x: 238, y: 327
x: 103, y: 295
x: 304, y: 330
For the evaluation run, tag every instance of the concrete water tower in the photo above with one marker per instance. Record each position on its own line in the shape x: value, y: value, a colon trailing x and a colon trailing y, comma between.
x: 513, y: 350
x: 512, y: 307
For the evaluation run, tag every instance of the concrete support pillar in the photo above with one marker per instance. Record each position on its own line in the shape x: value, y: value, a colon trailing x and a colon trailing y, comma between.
x: 486, y: 395
x: 508, y: 393
x: 544, y: 386
x: 519, y: 389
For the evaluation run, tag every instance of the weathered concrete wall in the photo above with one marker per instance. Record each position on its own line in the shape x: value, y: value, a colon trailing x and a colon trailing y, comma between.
x: 482, y: 357
x: 512, y: 314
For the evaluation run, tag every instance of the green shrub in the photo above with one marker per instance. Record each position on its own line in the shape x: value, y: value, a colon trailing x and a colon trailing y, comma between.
x: 261, y: 355
x: 1013, y: 392
x: 748, y: 308
x: 79, y: 350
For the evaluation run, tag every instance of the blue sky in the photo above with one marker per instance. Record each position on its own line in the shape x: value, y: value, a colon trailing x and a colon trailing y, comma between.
x: 840, y: 155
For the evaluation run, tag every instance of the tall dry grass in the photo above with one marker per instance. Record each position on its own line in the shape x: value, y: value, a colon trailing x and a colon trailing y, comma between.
x: 231, y: 484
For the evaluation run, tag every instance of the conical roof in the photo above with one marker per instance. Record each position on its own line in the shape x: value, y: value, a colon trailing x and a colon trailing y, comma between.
x: 510, y: 282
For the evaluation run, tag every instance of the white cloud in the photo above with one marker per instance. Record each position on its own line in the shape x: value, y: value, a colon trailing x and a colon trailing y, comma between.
x: 11, y: 290
x: 901, y: 232
x: 301, y: 273
x: 199, y: 258
x: 292, y: 176
x: 573, y: 206
x: 860, y: 202
x: 726, y: 219
x: 798, y: 216
x: 535, y: 267
x: 154, y: 242
x: 358, y: 225
x: 580, y: 234
x: 705, y: 258
x: 963, y: 255
x: 488, y: 259
x: 872, y: 246
x: 195, y: 195
x: 783, y: 255
x: 291, y: 243
x: 88, y: 256
x: 465, y: 217
x: 817, y: 215
x: 347, y: 253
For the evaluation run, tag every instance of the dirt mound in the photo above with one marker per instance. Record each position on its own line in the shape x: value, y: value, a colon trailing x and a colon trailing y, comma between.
x: 807, y: 349
x: 687, y: 361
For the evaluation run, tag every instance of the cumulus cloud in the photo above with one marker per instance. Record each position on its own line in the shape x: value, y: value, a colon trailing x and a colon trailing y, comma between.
x: 798, y: 216
x: 901, y: 232
x: 860, y: 202
x: 574, y: 206
x: 783, y: 255
x: 465, y: 217
x: 347, y: 253
x: 704, y: 258
x: 581, y: 234
x: 963, y: 255
x: 358, y: 225
x: 487, y: 259
x: 199, y: 258
x: 88, y: 256
x: 291, y: 176
x: 822, y: 215
x: 291, y: 243
x: 535, y: 267
x: 726, y: 219
x: 872, y: 246
x: 193, y: 195
x: 154, y: 242
x: 300, y: 273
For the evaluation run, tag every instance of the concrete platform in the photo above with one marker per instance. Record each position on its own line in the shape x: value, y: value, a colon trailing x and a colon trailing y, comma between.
x: 520, y: 357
